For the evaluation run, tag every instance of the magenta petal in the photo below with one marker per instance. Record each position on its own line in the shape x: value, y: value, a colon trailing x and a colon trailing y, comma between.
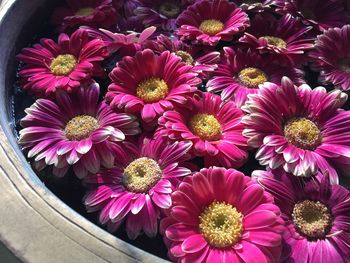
x: 251, y: 253
x: 194, y: 243
x: 259, y: 219
x: 138, y: 204
x: 180, y: 232
x: 83, y: 146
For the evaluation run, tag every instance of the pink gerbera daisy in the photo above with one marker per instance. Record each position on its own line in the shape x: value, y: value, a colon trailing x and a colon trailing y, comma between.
x: 214, y: 128
x: 161, y: 13
x: 139, y: 187
x: 202, y: 61
x: 94, y: 13
x: 255, y: 5
x: 207, y: 22
x: 126, y: 45
x: 300, y: 129
x: 333, y: 60
x: 286, y: 38
x: 74, y: 131
x: 64, y: 65
x: 242, y: 71
x: 316, y: 214
x: 150, y: 84
x: 320, y: 14
x: 220, y: 215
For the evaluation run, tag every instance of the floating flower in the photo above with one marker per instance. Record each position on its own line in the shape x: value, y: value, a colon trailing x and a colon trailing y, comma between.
x: 65, y: 65
x: 161, y: 13
x: 220, y: 215
x: 74, y: 131
x: 242, y: 71
x: 93, y: 13
x: 214, y: 127
x: 139, y: 187
x: 318, y: 13
x: 150, y: 84
x: 333, y: 61
x: 208, y: 22
x: 202, y: 61
x: 285, y: 38
x: 255, y: 5
x: 316, y: 216
x: 127, y: 45
x: 300, y: 129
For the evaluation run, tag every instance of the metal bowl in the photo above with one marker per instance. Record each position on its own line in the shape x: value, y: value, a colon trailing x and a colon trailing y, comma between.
x: 34, y: 224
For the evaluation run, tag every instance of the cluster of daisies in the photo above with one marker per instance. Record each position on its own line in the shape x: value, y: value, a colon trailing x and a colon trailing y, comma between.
x: 194, y: 87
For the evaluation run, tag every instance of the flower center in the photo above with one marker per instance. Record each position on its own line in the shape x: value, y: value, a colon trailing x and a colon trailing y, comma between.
x: 206, y: 126
x: 303, y: 133
x: 276, y: 41
x: 80, y: 127
x: 344, y: 64
x: 221, y: 224
x: 169, y: 9
x: 185, y: 56
x: 62, y: 65
x: 152, y: 90
x: 252, y: 77
x: 312, y: 219
x: 85, y: 11
x: 141, y: 174
x: 211, y: 26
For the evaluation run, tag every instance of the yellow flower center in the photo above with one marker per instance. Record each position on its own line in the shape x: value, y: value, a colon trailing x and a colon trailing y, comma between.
x: 206, y: 126
x: 276, y: 41
x: 141, y: 174
x: 211, y: 26
x: 169, y: 9
x: 85, y: 11
x: 312, y: 219
x: 80, y: 127
x: 62, y: 65
x: 152, y: 90
x: 303, y: 133
x: 185, y: 56
x: 252, y: 77
x: 221, y: 224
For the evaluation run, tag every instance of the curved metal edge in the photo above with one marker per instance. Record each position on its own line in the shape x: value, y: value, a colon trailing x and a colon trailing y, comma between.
x: 34, y: 223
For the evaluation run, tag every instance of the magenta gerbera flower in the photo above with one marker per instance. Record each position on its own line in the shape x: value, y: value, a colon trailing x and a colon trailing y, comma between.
x: 214, y: 127
x: 161, y: 13
x: 316, y: 214
x: 255, y: 5
x: 93, y: 13
x: 220, y: 215
x: 74, y: 131
x: 126, y: 45
x: 202, y: 61
x: 242, y: 71
x: 319, y: 14
x: 300, y: 129
x: 333, y: 60
x: 208, y: 22
x: 150, y: 84
x: 286, y: 38
x: 139, y: 187
x: 64, y: 65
